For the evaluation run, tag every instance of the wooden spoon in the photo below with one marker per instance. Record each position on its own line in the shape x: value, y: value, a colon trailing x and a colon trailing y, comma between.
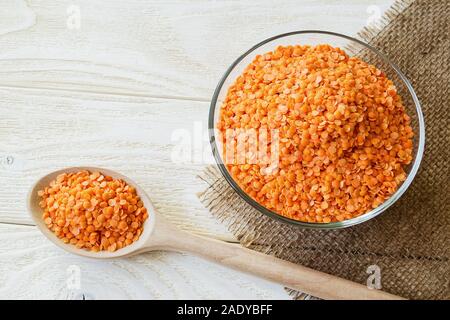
x: 158, y: 234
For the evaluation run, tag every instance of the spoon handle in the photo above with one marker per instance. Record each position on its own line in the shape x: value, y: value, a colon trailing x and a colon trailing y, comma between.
x: 291, y: 275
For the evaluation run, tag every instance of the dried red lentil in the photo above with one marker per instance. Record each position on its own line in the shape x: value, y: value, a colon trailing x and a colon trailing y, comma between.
x: 93, y: 211
x: 344, y: 135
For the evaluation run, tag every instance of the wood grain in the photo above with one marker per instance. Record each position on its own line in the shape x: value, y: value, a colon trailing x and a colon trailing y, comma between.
x: 111, y: 93
x: 33, y: 268
x: 175, y: 49
x: 163, y: 235
x: 43, y: 132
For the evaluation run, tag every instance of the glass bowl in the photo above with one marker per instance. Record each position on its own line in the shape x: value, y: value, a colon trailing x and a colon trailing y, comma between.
x: 353, y: 47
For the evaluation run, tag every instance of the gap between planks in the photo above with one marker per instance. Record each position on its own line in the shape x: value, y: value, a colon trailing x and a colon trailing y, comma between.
x: 31, y: 225
x: 106, y: 93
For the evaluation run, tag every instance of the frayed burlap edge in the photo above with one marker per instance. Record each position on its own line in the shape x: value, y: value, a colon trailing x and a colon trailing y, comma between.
x: 225, y: 204
x: 371, y: 32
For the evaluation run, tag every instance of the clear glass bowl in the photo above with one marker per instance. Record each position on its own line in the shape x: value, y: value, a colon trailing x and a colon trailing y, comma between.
x: 353, y: 47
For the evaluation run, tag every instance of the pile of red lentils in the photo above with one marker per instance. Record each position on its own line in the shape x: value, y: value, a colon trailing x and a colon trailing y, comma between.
x: 344, y: 135
x: 93, y: 211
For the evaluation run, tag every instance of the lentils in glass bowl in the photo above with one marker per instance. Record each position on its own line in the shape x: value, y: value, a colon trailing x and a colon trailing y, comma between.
x: 307, y: 133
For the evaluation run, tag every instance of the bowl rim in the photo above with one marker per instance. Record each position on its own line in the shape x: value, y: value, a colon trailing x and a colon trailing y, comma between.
x: 332, y: 225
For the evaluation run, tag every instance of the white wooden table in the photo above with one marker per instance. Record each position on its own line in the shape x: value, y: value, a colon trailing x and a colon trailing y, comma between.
x: 107, y: 83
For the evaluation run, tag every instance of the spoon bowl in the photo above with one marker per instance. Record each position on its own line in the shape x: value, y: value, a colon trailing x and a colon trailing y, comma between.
x: 36, y: 214
x: 158, y: 234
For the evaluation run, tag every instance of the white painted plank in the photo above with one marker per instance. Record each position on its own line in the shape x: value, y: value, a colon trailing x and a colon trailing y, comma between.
x: 150, y: 47
x: 33, y: 268
x: 41, y: 131
x: 130, y: 52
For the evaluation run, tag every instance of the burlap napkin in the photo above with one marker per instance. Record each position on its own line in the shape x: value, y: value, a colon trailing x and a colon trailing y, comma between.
x: 410, y: 242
